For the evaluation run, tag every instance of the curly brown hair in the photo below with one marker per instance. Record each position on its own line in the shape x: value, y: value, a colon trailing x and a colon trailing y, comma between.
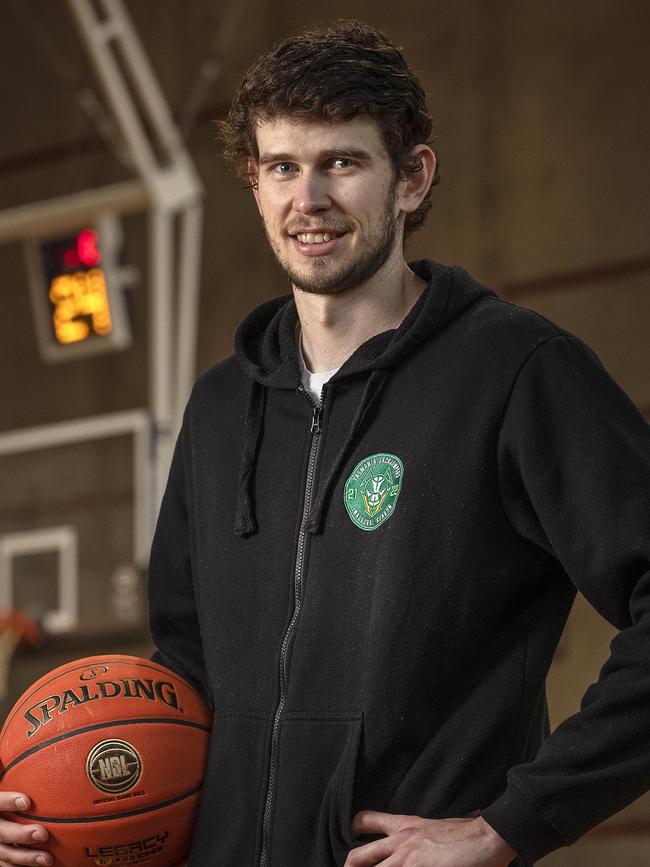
x: 334, y: 74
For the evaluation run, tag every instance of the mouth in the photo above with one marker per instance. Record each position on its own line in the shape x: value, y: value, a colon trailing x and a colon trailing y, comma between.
x: 316, y: 242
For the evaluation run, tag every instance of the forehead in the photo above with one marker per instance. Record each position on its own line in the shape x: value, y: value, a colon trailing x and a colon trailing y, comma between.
x: 308, y: 138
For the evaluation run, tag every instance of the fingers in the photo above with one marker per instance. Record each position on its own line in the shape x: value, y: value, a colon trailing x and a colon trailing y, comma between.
x: 15, y: 837
x: 370, y: 854
x: 12, y: 802
x: 14, y: 833
x: 373, y: 822
x: 10, y: 856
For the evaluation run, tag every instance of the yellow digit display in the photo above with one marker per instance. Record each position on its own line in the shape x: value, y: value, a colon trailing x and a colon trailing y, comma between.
x: 81, y: 306
x: 77, y: 283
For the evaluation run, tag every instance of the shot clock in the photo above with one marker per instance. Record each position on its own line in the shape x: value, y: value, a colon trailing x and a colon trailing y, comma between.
x: 77, y: 283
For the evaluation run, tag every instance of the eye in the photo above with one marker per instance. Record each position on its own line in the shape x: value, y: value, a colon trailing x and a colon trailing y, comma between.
x: 343, y: 163
x: 283, y: 168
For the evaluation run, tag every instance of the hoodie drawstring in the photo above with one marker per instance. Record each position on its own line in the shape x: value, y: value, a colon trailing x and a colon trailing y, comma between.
x: 245, y: 522
x: 373, y: 387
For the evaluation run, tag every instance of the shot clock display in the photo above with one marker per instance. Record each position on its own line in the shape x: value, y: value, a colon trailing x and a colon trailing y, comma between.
x: 77, y: 287
x: 77, y: 292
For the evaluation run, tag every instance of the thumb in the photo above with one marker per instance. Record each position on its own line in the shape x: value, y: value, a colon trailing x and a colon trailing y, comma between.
x: 374, y: 822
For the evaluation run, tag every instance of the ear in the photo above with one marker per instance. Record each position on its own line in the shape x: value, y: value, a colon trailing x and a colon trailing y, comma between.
x: 252, y: 170
x: 415, y: 185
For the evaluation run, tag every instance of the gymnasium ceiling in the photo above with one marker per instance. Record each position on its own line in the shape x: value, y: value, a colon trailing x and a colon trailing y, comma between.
x: 58, y: 136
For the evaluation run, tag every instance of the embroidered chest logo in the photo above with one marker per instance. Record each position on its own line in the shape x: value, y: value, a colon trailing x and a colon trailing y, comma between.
x: 371, y: 491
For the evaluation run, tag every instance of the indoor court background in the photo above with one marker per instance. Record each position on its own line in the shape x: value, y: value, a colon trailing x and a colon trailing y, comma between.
x: 541, y: 113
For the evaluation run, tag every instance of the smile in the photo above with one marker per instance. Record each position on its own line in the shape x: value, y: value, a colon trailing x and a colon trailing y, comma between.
x: 315, y: 237
x: 317, y: 242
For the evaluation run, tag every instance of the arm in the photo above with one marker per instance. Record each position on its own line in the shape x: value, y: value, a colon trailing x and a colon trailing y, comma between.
x: 172, y: 604
x: 574, y: 469
x: 574, y: 463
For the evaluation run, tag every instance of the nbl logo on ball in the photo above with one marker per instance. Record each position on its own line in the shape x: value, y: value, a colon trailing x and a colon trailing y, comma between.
x: 113, y: 766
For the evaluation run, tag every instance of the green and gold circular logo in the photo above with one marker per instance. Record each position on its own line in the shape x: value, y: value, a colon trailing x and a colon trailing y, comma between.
x: 371, y: 491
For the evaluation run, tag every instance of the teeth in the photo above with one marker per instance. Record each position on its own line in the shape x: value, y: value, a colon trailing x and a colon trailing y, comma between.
x: 315, y: 238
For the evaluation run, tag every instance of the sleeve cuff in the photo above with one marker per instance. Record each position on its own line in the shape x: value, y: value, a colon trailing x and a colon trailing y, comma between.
x: 523, y: 826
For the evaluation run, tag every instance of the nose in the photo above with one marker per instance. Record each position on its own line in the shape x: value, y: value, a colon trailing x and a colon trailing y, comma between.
x: 310, y: 193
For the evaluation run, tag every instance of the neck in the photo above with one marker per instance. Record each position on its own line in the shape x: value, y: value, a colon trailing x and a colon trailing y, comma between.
x: 334, y: 326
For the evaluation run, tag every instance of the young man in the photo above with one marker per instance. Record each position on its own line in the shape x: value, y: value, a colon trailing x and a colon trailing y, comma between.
x: 378, y: 514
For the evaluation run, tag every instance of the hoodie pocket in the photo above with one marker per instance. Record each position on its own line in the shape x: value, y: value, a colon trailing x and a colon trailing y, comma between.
x: 230, y: 809
x: 316, y: 773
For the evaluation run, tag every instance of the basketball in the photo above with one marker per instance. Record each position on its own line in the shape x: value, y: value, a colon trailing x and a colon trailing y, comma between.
x: 111, y: 750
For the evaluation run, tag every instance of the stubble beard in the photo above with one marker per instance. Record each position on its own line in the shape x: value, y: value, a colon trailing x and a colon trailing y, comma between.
x: 323, y: 278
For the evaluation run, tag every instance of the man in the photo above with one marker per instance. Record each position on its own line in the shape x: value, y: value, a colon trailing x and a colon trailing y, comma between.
x: 378, y: 513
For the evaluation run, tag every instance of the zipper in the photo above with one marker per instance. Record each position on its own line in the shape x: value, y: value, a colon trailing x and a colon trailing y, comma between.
x: 314, y: 430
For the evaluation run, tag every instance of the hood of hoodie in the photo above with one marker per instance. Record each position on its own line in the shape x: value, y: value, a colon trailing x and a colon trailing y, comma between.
x: 266, y: 343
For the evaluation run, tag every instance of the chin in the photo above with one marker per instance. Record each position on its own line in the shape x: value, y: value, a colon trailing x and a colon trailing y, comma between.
x: 321, y: 278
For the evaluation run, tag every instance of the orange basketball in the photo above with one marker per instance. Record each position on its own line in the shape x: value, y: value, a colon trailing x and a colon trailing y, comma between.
x: 111, y: 750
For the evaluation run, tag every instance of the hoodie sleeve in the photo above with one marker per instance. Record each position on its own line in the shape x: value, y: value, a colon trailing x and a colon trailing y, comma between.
x: 172, y: 604
x: 574, y: 471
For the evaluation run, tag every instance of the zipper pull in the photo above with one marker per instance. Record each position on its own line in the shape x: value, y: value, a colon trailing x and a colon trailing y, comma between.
x: 315, y: 420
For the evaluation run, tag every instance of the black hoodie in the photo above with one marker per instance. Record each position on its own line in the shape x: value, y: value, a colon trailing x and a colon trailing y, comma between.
x: 370, y: 595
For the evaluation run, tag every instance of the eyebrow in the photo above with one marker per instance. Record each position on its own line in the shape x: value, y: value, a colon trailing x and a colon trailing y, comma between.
x: 330, y: 153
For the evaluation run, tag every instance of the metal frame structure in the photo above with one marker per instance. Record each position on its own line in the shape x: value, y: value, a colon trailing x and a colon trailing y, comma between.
x: 174, y: 190
x: 168, y: 186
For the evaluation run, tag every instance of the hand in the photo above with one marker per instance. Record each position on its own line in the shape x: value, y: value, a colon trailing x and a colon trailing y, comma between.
x: 411, y: 841
x: 16, y: 840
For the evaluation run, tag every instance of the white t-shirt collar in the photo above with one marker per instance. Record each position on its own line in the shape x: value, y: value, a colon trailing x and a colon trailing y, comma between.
x: 313, y: 382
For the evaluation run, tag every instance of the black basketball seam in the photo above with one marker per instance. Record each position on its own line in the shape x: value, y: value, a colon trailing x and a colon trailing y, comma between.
x: 102, y: 725
x: 154, y: 666
x: 108, y: 817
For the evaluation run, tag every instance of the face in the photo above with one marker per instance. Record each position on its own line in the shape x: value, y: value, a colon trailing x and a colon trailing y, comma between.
x: 329, y: 200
